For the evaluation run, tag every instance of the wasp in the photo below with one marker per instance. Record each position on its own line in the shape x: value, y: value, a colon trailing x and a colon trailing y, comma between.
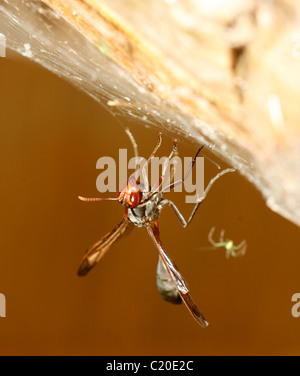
x: 143, y: 206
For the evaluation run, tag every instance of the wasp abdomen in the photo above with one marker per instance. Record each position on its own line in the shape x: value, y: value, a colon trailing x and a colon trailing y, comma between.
x: 165, y: 285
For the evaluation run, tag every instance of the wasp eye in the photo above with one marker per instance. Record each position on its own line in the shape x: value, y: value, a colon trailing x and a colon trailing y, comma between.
x: 134, y: 199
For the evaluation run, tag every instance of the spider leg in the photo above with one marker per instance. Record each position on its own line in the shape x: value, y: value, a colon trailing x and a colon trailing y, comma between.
x: 240, y: 249
x: 222, y: 233
x: 210, y: 236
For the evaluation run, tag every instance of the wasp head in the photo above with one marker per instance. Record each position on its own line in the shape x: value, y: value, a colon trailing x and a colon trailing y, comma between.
x: 130, y: 196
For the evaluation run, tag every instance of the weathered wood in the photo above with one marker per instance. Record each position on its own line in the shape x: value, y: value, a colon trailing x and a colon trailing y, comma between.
x: 227, y: 73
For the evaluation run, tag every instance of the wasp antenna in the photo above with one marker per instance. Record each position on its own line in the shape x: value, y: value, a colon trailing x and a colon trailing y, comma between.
x: 205, y: 156
x: 92, y: 199
x: 175, y: 144
x: 133, y: 142
x: 212, y: 161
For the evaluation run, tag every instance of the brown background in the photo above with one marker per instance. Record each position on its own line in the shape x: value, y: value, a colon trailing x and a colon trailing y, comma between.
x: 51, y: 137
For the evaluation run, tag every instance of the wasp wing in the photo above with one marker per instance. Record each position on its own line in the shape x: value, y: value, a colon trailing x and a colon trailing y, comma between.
x: 176, y: 277
x: 98, y: 250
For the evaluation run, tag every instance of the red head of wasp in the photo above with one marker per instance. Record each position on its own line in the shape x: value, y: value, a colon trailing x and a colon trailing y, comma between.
x: 142, y: 209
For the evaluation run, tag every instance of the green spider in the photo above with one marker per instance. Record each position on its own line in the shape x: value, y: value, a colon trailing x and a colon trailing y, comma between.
x: 231, y: 249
